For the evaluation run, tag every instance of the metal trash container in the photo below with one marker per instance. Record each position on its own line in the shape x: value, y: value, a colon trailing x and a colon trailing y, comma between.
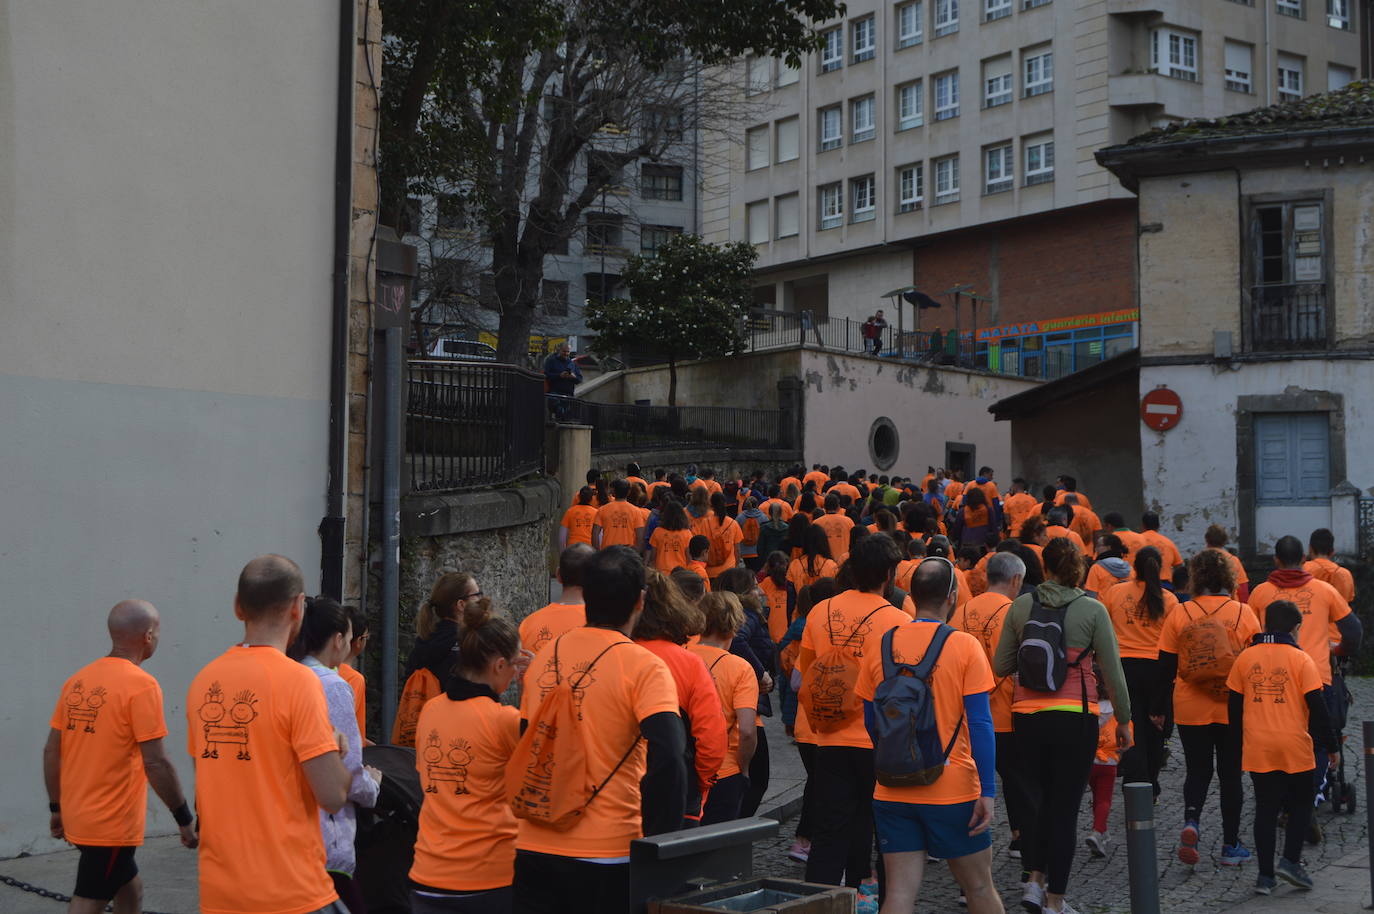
x: 762, y: 896
x: 666, y: 866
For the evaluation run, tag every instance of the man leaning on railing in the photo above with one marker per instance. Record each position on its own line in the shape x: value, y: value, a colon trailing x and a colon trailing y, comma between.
x: 561, y: 377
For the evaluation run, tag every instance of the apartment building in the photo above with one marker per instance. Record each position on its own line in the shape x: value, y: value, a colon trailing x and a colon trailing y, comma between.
x: 940, y: 143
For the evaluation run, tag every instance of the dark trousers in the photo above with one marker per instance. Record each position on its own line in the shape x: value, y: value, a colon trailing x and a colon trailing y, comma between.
x: 1207, y: 747
x: 758, y: 776
x: 349, y: 893
x: 807, y: 751
x: 842, y: 816
x: 1323, y: 758
x: 723, y: 802
x: 492, y: 901
x: 1275, y: 791
x: 546, y: 884
x: 1009, y: 769
x: 1143, y: 760
x: 1055, y: 750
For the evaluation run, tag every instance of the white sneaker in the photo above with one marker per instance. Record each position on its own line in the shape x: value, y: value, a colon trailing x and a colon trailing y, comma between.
x: 1033, y: 897
x: 1065, y: 909
x: 1097, y: 843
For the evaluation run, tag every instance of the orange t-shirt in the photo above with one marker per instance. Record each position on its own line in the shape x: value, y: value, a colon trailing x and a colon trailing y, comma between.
x: 105, y: 710
x: 1321, y: 605
x: 1194, y: 706
x: 578, y: 521
x: 789, y: 481
x: 1133, y: 541
x: 466, y: 841
x: 1275, y: 679
x: 738, y: 689
x: 1136, y: 633
x: 816, y: 476
x: 544, y: 624
x: 254, y: 716
x: 1085, y: 523
x: 1100, y: 580
x: 787, y: 510
x: 1340, y: 578
x: 670, y: 548
x: 1167, y: 550
x: 725, y: 536
x: 619, y: 522
x: 1018, y: 508
x: 699, y: 568
x: 983, y: 617
x: 850, y: 621
x: 844, y: 488
x: 962, y: 669
x: 358, y: 683
x: 836, y: 527
x: 952, y: 492
x: 1083, y: 500
x: 905, y: 569
x: 1057, y: 531
x: 627, y: 685
x: 800, y: 576
x: 776, y: 598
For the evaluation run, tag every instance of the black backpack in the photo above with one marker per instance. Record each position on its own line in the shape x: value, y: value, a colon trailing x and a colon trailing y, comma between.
x: 1042, y: 660
x: 906, y: 743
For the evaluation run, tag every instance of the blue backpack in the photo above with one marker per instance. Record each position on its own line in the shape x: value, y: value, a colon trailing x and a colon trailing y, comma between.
x: 906, y: 737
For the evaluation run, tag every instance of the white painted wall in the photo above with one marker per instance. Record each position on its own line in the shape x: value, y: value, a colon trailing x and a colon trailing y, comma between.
x: 166, y: 181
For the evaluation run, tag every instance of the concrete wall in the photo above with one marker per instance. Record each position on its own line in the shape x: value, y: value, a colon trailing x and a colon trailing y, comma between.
x: 748, y: 381
x: 166, y: 183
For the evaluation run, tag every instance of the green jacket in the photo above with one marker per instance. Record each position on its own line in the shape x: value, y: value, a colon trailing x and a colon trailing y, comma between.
x: 1086, y: 625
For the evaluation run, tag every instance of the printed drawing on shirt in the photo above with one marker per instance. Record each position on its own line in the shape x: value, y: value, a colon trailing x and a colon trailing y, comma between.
x: 227, y: 724
x: 1274, y: 684
x: 84, y: 707
x: 450, y: 767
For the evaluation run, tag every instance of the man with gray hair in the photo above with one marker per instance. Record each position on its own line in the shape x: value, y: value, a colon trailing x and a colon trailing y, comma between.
x: 982, y: 617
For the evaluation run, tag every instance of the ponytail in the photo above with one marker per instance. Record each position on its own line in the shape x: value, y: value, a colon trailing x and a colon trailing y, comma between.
x: 1148, y: 564
x: 447, y: 592
x: 485, y: 636
x: 324, y: 618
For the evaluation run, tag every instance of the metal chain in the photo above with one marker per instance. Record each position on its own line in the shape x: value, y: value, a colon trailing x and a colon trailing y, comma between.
x: 48, y: 893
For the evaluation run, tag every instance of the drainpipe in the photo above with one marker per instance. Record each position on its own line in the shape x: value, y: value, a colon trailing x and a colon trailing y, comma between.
x: 332, y: 525
x: 1269, y: 70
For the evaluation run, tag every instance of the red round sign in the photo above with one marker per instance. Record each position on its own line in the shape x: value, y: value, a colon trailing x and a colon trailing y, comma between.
x: 1161, y: 409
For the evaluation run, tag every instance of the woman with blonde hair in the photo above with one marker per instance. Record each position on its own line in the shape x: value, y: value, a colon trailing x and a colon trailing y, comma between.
x: 436, y: 627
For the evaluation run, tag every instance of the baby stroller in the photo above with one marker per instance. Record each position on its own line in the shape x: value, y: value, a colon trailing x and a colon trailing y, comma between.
x: 1338, y: 790
x: 386, y: 833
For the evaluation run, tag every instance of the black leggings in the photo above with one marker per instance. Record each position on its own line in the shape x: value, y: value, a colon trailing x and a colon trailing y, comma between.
x: 807, y: 751
x: 1143, y: 760
x: 1275, y: 791
x: 723, y: 802
x: 1055, y: 752
x: 1201, y: 744
x: 842, y: 817
x: 1009, y: 769
x: 758, y: 776
x: 548, y: 884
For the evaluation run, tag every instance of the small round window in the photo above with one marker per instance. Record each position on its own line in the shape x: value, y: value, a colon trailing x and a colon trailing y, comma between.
x: 883, y: 443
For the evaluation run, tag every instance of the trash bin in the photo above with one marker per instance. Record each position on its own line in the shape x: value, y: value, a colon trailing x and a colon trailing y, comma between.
x: 761, y: 896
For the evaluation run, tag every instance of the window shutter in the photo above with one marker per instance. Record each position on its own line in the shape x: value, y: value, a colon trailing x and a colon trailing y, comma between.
x: 1238, y: 57
x: 1313, y: 464
x: 1272, y: 454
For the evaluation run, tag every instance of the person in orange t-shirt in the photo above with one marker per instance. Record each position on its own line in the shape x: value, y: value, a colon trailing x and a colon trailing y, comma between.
x: 267, y: 759
x: 1115, y: 524
x: 547, y: 623
x: 846, y: 488
x: 1084, y: 522
x: 1276, y: 700
x: 104, y: 748
x: 1069, y: 486
x: 815, y: 562
x: 618, y: 523
x: 628, y: 704
x: 839, y: 634
x: 1018, y: 506
x: 725, y: 536
x: 1216, y: 538
x: 578, y: 521
x: 775, y: 498
x: 1168, y: 552
x: 1322, y: 566
x: 698, y: 547
x: 668, y: 543
x: 1058, y: 525
x: 779, y: 594
x: 836, y: 525
x: 738, y: 689
x: 951, y: 817
x: 819, y: 475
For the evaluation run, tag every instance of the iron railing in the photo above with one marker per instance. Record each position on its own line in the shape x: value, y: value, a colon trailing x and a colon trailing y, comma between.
x: 1285, y: 317
x: 636, y: 427
x: 472, y: 424
x: 1366, y: 524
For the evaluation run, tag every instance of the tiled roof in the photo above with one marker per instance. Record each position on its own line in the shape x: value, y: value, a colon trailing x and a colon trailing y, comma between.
x: 1352, y: 106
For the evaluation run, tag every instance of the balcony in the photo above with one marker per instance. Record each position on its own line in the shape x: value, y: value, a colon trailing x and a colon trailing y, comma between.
x: 1177, y: 97
x: 1288, y: 317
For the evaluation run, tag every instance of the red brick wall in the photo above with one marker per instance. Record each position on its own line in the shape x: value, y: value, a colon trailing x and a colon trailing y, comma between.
x: 1076, y: 261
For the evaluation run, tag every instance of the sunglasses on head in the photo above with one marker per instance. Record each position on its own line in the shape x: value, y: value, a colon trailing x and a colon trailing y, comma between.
x: 953, y: 579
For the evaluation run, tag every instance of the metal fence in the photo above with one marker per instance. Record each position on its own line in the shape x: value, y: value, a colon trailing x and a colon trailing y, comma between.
x: 1365, y: 521
x: 472, y: 424
x: 1288, y: 317
x: 636, y: 427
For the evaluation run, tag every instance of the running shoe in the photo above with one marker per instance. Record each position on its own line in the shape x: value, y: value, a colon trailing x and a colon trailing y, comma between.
x: 1033, y: 897
x: 1265, y: 885
x: 799, y: 852
x: 1293, y: 873
x: 867, y: 905
x: 1064, y: 908
x: 869, y: 887
x: 1097, y: 843
x: 1014, y: 849
x: 1187, y: 844
x: 1234, y: 854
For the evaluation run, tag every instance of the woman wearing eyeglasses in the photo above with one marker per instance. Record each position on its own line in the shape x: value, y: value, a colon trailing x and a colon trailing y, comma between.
x: 1056, y: 732
x: 436, y: 628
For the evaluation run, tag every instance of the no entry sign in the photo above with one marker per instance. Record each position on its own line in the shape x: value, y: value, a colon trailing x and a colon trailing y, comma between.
x: 1161, y: 409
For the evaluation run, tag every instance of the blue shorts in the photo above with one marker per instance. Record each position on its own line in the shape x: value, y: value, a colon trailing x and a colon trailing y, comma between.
x: 942, y: 831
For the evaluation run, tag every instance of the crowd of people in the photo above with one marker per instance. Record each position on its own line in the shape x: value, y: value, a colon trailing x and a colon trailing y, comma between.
x: 932, y: 646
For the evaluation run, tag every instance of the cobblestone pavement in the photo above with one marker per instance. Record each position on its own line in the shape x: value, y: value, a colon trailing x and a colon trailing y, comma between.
x: 1100, y: 886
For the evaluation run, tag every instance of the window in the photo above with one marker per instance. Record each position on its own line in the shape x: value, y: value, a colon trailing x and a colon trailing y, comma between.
x: 996, y: 9
x: 832, y: 49
x: 451, y: 218
x: 662, y: 123
x: 998, y: 169
x: 1037, y: 72
x: 1239, y: 59
x: 997, y: 83
x: 787, y: 74
x: 1174, y: 53
x: 831, y: 133
x: 553, y: 297
x: 756, y: 147
x: 787, y: 210
x: 1338, y: 77
x: 756, y: 222
x: 660, y: 182
x: 603, y: 170
x: 863, y: 38
x: 947, y: 96
x: 652, y: 237
x: 760, y: 73
x: 946, y: 180
x: 946, y: 17
x: 910, y: 106
x: 601, y: 286
x: 1338, y: 14
x: 789, y: 139
x: 1289, y: 77
x: 910, y: 24
x: 446, y: 279
x: 863, y: 199
x: 831, y: 198
x: 604, y: 231
x: 1289, y: 8
x: 1288, y: 271
x: 911, y: 188
x: 861, y: 119
x: 1032, y: 4
x: 1039, y: 152
x: 1292, y: 458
